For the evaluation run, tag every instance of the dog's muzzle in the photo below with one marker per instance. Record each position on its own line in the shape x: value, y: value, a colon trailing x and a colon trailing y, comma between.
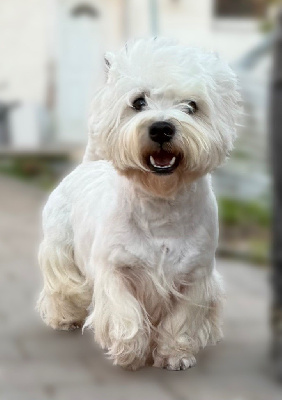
x: 162, y: 160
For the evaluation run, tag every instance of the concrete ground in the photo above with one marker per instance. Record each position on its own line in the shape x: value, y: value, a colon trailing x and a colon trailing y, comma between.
x: 37, y: 363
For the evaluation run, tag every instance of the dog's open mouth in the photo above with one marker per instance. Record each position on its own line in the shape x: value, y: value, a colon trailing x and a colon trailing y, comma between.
x: 163, y: 162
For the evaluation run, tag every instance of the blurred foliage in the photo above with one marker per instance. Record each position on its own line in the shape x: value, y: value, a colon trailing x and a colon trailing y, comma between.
x: 266, y: 26
x: 256, y: 251
x: 237, y: 212
x: 259, y: 251
x: 245, y: 229
x: 43, y: 171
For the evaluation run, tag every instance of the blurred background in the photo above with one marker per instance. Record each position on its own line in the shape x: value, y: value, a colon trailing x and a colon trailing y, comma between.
x: 51, y: 54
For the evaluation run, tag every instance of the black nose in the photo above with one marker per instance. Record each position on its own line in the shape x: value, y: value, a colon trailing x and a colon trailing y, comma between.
x: 161, y: 132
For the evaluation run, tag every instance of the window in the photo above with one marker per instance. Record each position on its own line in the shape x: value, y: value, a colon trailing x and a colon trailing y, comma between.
x: 240, y: 8
x: 84, y: 9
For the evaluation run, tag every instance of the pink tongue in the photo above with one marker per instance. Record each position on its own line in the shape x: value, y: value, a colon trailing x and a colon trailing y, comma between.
x: 162, y: 158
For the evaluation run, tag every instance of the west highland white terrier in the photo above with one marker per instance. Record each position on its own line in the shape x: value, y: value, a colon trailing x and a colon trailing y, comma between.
x: 130, y: 235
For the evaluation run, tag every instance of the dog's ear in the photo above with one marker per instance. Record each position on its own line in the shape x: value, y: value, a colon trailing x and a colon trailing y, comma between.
x: 109, y: 58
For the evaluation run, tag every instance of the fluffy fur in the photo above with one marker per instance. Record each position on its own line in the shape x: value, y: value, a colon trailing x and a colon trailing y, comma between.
x: 130, y: 252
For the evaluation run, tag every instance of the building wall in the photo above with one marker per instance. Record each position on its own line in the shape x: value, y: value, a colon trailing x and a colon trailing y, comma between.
x: 45, y: 58
x: 194, y: 23
x: 23, y: 49
x: 28, y: 35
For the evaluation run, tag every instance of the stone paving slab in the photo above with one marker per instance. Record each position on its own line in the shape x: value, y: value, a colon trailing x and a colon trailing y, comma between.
x: 37, y: 363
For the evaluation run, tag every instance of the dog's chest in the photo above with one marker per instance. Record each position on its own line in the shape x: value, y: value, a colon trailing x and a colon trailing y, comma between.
x: 173, y: 237
x: 172, y: 244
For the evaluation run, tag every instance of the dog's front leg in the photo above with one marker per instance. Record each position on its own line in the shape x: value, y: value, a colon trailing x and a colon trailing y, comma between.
x: 193, y: 322
x: 175, y: 346
x: 120, y: 324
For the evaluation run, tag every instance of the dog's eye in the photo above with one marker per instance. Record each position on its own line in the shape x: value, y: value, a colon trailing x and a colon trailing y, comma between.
x: 139, y: 103
x: 190, y: 107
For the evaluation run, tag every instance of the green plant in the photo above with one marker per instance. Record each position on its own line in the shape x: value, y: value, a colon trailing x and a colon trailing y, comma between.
x: 233, y: 212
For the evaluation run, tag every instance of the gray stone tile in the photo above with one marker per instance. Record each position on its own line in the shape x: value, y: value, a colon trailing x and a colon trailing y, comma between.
x: 128, y: 391
x: 28, y: 373
x: 26, y: 394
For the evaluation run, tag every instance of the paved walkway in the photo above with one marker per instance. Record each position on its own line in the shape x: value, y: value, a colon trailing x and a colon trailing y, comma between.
x: 39, y: 364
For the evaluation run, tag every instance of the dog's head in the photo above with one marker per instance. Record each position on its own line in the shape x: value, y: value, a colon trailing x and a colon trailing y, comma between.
x: 166, y: 114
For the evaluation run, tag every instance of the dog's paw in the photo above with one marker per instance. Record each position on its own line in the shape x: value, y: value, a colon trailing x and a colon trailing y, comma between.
x: 73, y: 326
x: 64, y: 325
x: 180, y: 364
x: 127, y: 355
x: 175, y: 363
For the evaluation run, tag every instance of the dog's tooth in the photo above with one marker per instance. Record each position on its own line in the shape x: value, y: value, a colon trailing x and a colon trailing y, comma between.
x: 172, y: 161
x: 152, y: 161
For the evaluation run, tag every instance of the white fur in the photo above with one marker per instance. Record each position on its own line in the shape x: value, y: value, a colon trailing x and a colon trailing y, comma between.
x: 130, y: 250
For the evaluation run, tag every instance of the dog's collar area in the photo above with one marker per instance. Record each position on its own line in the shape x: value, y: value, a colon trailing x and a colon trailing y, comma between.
x: 163, y: 162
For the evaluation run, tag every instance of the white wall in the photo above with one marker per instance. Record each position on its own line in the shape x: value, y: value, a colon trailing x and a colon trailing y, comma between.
x: 138, y: 18
x: 193, y: 23
x: 33, y: 33
x: 23, y: 49
x: 27, y: 35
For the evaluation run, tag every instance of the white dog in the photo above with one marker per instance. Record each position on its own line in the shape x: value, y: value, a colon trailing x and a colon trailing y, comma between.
x: 130, y: 235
